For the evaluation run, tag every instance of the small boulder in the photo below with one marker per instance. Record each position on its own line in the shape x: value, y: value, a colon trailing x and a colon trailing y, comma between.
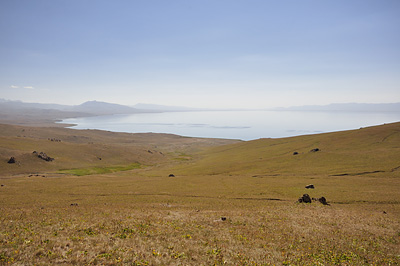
x: 171, y: 175
x: 45, y: 157
x: 12, y: 160
x: 295, y: 153
x: 310, y: 186
x: 304, y: 199
x: 315, y: 150
x: 323, y: 201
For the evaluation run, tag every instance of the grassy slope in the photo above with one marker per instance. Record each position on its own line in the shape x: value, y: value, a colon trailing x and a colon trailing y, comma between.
x: 84, y: 148
x: 145, y: 218
x: 349, y: 152
x: 351, y: 166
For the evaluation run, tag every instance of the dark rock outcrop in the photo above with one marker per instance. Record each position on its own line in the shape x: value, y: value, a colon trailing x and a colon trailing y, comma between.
x: 43, y: 156
x: 304, y: 199
x: 323, y: 201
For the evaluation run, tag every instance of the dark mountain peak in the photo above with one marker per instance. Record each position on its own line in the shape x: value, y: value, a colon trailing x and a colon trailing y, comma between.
x: 94, y: 102
x: 97, y: 107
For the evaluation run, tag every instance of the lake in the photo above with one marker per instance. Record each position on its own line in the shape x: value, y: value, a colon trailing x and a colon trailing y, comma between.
x: 244, y: 125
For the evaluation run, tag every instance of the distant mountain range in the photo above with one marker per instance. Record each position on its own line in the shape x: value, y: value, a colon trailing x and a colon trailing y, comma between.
x: 88, y: 108
x: 91, y: 108
x: 348, y: 107
x: 165, y: 108
x: 23, y: 105
x: 37, y: 114
x: 16, y: 112
x: 103, y: 108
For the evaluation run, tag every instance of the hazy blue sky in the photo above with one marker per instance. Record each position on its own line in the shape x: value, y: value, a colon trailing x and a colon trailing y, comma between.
x: 204, y: 53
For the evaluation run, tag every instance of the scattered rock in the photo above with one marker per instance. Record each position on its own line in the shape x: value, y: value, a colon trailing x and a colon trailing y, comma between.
x: 12, y: 160
x: 222, y: 219
x: 295, y: 153
x: 171, y: 175
x: 304, y: 199
x: 323, y: 200
x: 74, y: 204
x: 2, y: 185
x: 315, y: 150
x: 43, y: 156
x: 310, y: 186
x: 149, y: 151
x: 36, y: 175
x: 384, y: 212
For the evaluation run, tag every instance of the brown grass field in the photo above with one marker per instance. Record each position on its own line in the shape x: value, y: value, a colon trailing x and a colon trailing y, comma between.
x: 107, y: 199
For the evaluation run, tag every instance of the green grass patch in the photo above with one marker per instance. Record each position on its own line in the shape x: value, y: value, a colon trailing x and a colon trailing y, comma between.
x: 100, y: 170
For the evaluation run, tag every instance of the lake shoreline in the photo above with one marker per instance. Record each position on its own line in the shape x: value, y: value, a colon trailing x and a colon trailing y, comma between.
x: 239, y: 125
x: 72, y: 122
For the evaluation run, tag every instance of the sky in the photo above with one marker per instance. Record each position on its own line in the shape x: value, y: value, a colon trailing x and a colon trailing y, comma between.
x: 200, y: 53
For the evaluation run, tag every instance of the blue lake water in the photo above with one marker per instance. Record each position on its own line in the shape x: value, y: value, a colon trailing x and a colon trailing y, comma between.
x: 244, y: 125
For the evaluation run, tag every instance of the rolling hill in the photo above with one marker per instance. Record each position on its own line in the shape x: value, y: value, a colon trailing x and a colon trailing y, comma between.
x: 227, y: 202
x: 366, y: 150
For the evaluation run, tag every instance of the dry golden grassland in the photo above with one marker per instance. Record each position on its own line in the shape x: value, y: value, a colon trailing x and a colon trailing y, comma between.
x: 125, y: 209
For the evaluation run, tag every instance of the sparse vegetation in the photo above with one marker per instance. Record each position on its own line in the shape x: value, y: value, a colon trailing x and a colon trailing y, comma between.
x: 105, y: 213
x: 99, y: 170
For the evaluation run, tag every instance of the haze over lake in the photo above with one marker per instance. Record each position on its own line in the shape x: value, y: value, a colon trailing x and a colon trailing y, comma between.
x: 244, y: 125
